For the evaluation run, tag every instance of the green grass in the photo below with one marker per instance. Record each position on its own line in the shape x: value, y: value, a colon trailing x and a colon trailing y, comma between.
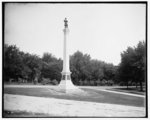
x: 95, y: 96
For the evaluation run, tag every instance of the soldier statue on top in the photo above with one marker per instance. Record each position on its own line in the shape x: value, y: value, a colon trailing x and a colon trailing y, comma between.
x: 66, y: 23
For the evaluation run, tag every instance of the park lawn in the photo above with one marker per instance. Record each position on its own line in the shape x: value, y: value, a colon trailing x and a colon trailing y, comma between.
x: 128, y: 90
x: 94, y: 96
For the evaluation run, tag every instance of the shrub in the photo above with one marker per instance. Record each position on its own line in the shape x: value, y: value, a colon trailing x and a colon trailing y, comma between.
x: 45, y: 81
x: 103, y: 82
x: 97, y: 82
x: 19, y: 80
x: 122, y: 84
x: 85, y: 82
x: 110, y: 82
x: 91, y: 82
x: 54, y: 82
x: 80, y: 82
x: 11, y: 80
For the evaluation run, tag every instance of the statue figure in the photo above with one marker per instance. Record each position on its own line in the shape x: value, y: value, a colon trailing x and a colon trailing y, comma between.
x: 66, y: 23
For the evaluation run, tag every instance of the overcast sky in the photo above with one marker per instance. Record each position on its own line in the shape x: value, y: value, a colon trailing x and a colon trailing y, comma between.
x: 101, y: 30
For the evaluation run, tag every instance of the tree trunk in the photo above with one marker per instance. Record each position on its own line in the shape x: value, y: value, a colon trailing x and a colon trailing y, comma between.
x: 141, y: 86
x: 127, y: 85
x: 136, y: 85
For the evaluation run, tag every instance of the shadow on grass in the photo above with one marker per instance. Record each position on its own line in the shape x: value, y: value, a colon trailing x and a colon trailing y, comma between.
x: 20, y: 114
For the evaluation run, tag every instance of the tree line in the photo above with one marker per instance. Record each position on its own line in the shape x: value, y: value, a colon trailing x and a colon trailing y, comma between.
x: 21, y: 66
x: 132, y: 68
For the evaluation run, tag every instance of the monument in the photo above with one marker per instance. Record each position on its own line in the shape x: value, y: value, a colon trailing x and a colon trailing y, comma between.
x: 66, y: 82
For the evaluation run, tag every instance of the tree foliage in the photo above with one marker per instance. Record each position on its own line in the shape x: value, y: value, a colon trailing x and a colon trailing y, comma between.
x: 132, y: 66
x: 19, y: 65
x: 87, y: 71
x: 84, y: 70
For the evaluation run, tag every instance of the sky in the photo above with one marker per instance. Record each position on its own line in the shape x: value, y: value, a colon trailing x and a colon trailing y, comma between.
x: 101, y: 30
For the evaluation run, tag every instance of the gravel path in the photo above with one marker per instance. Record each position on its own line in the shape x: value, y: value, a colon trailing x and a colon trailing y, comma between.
x: 61, y: 107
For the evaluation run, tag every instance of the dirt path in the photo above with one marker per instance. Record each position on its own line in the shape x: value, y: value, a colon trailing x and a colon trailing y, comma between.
x: 61, y: 107
x: 117, y: 92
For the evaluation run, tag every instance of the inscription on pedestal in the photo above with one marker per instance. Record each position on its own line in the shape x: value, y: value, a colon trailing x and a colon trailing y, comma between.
x: 66, y: 77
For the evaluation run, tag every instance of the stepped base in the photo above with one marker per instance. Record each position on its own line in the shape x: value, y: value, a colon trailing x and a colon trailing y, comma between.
x: 67, y: 84
x: 68, y: 87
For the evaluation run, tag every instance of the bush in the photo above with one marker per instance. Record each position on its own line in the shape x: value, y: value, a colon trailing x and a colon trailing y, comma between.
x: 54, y: 82
x: 91, y: 82
x: 102, y: 82
x: 11, y: 80
x: 85, y: 82
x: 97, y: 82
x: 45, y: 81
x: 110, y: 83
x: 35, y: 80
x: 122, y: 84
x: 20, y: 80
x: 80, y: 82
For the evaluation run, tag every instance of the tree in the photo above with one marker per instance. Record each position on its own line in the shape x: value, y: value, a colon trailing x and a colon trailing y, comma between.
x: 109, y: 72
x: 12, y: 62
x: 126, y: 69
x: 140, y: 63
x: 20, y: 65
x: 96, y: 70
x: 132, y: 66
x: 79, y: 66
x: 90, y: 71
x: 34, y: 63
x: 48, y: 58
x: 51, y: 67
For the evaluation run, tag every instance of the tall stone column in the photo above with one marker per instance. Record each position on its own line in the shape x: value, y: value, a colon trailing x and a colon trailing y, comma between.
x: 66, y: 67
x: 66, y: 82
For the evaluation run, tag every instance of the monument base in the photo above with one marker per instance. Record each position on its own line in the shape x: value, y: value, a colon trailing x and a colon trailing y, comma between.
x: 67, y: 86
x: 66, y: 81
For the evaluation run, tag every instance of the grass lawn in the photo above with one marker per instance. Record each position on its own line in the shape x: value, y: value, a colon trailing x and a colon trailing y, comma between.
x: 129, y: 90
x: 95, y: 95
